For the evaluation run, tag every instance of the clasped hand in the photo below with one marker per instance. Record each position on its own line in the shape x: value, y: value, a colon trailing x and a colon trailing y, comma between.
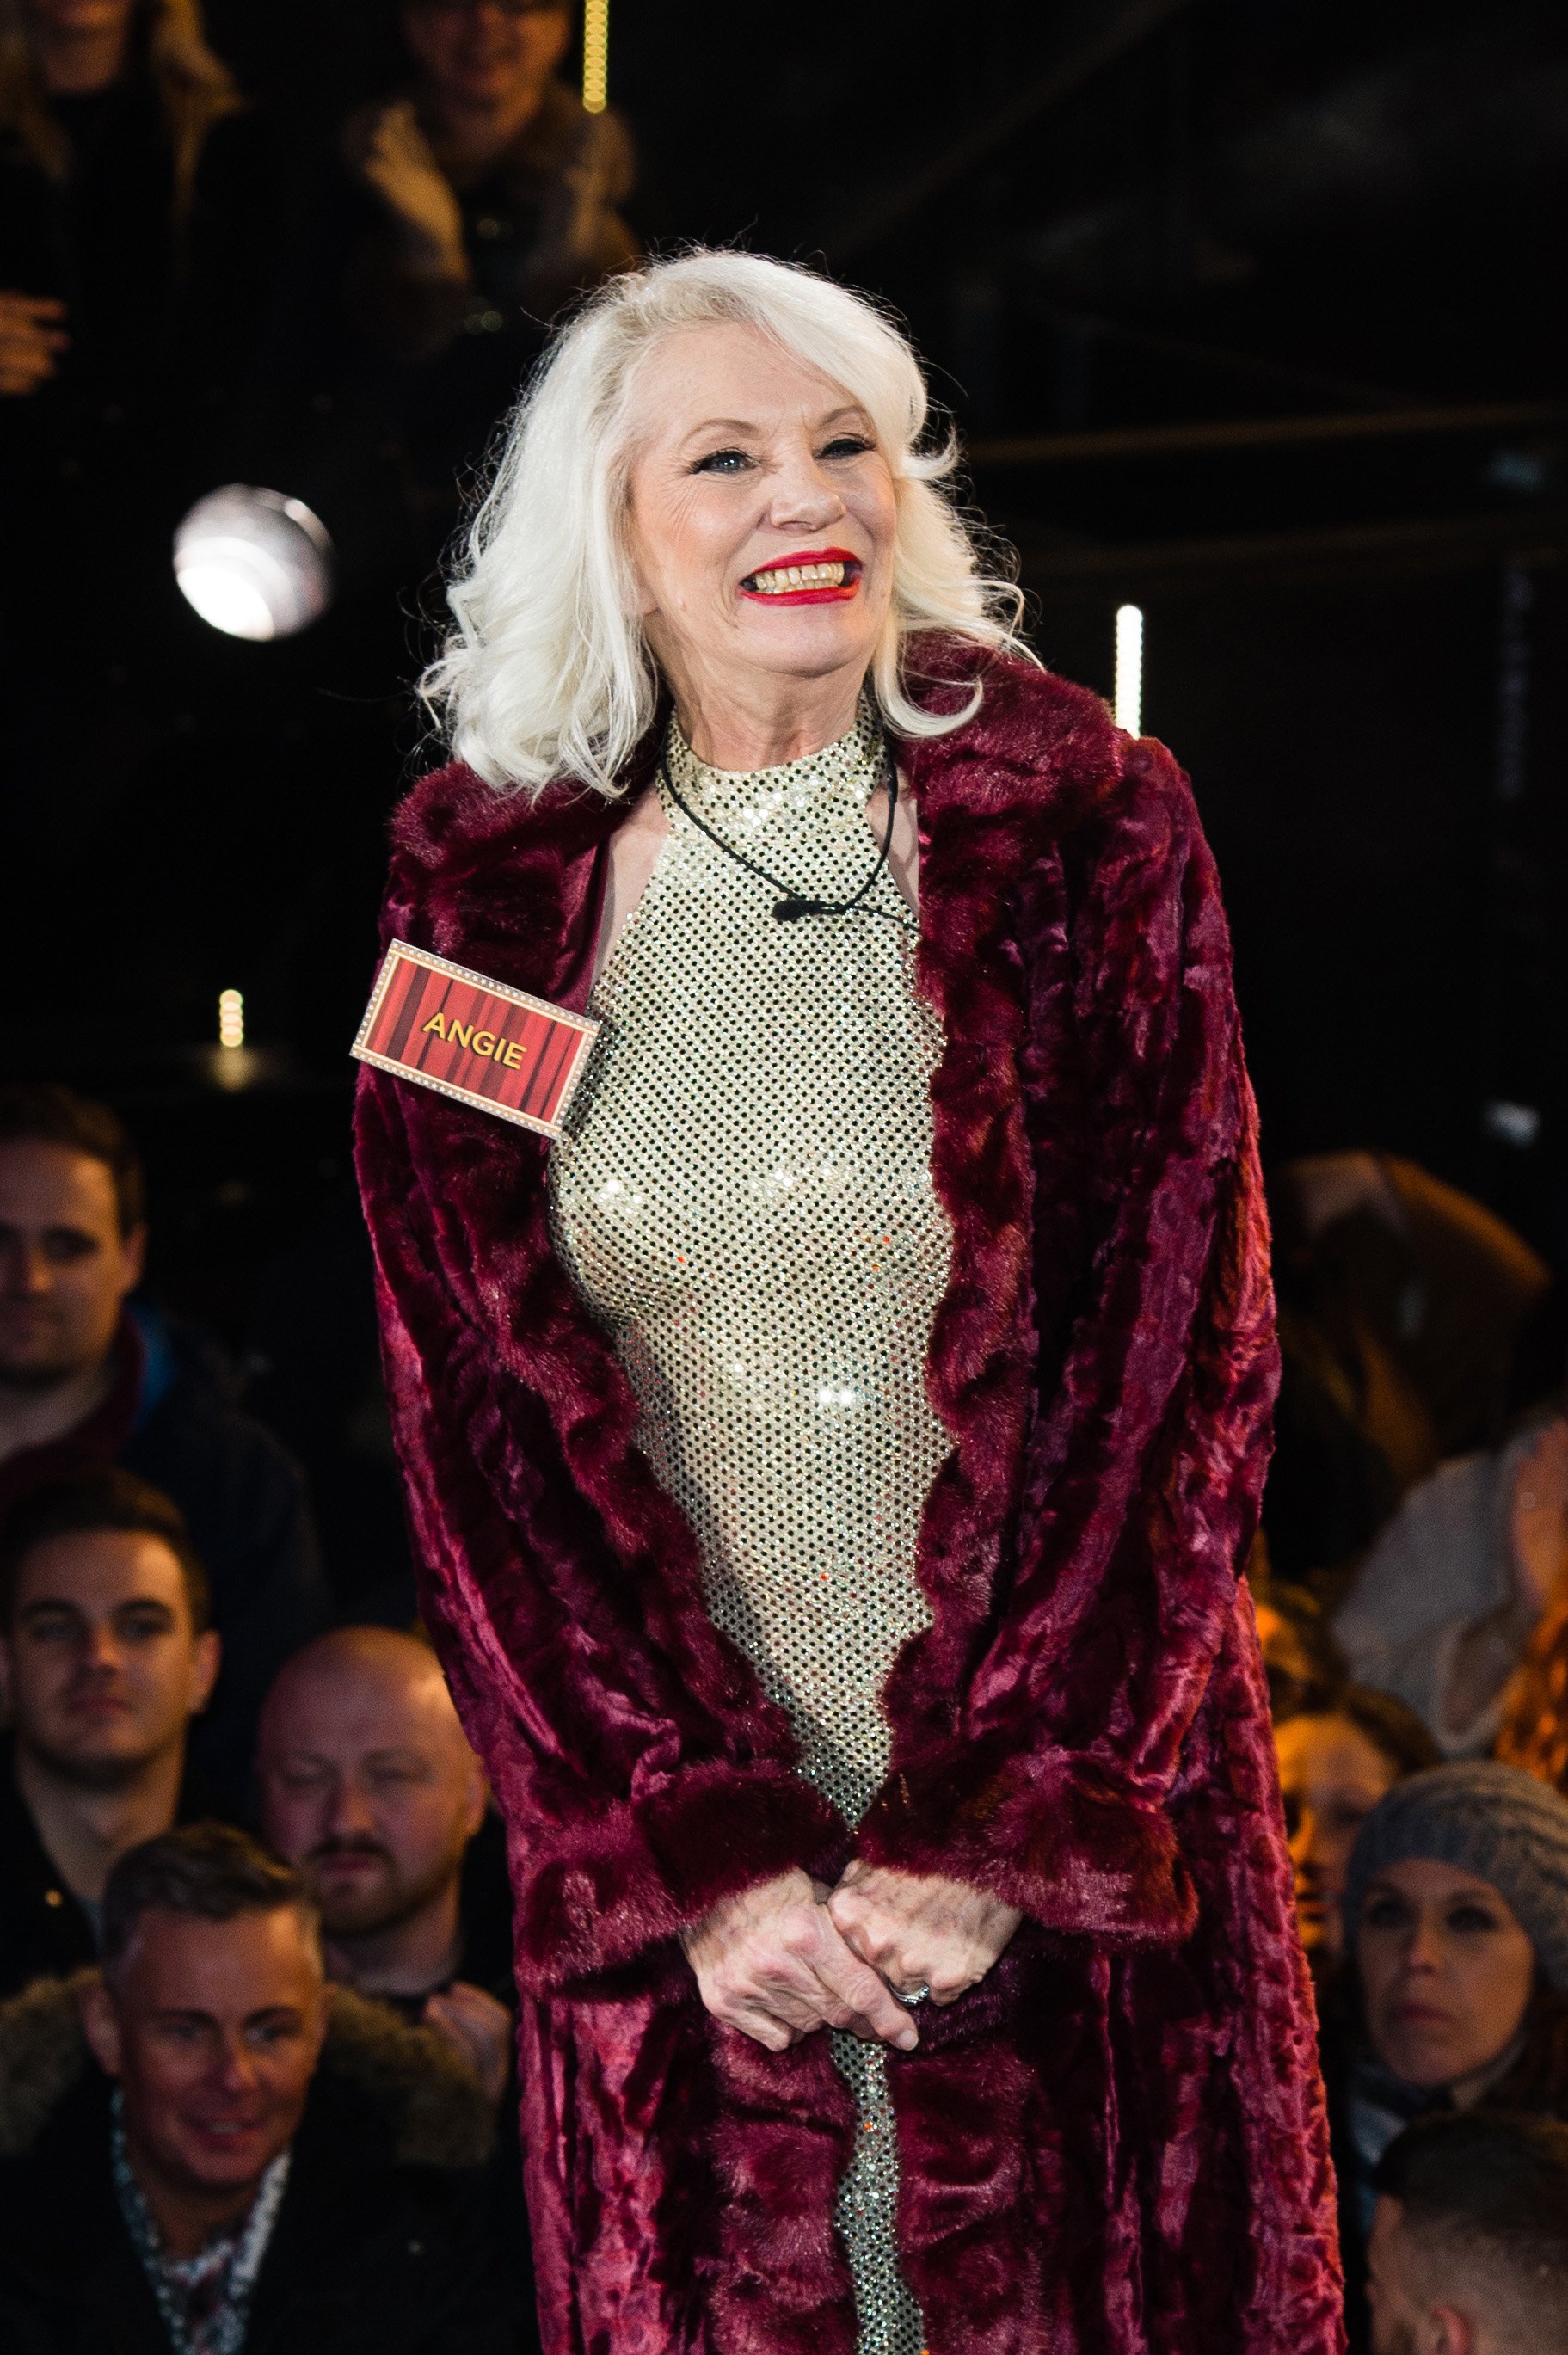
x: 790, y: 1957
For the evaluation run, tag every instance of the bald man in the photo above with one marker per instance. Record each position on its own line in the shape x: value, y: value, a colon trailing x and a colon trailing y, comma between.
x: 369, y: 1789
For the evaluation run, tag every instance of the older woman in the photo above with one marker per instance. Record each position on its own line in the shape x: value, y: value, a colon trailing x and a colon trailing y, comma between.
x: 1456, y: 1993
x: 832, y: 1458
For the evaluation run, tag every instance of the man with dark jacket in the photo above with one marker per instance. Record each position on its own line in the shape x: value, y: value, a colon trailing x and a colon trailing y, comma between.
x: 86, y: 1379
x: 107, y: 1655
x: 215, y: 2176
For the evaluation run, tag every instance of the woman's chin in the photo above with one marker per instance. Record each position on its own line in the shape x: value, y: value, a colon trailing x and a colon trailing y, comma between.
x: 1427, y: 2062
x: 808, y: 641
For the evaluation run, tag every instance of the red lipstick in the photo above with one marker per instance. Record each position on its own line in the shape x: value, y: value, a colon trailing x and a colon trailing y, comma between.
x: 836, y: 595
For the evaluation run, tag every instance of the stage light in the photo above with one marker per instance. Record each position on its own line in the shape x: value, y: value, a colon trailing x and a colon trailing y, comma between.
x: 1129, y: 700
x: 1518, y: 1124
x: 230, y: 1020
x: 253, y: 563
x: 595, y: 55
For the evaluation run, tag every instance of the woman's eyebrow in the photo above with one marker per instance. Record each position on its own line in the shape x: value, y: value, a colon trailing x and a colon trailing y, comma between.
x: 750, y: 425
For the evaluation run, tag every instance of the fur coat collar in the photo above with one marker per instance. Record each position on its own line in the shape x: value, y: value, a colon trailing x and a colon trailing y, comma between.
x: 1115, y: 2143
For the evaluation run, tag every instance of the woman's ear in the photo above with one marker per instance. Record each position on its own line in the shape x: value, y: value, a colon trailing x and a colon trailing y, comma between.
x: 100, y: 2022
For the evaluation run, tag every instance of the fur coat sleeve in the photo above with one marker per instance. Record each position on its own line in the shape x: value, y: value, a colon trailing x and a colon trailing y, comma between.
x: 1132, y: 1391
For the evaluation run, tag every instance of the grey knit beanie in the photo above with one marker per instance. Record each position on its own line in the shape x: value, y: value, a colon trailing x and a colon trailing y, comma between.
x: 1494, y: 1821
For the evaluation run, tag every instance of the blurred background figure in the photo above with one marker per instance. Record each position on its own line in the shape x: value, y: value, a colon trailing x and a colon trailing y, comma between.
x: 239, y: 2158
x: 1455, y: 1990
x: 86, y: 1379
x: 464, y: 208
x: 369, y: 1789
x: 1402, y: 1305
x: 1468, y: 2252
x: 496, y: 192
x: 1337, y: 1760
x: 1303, y: 1664
x: 1446, y: 1601
x: 1534, y: 1729
x: 140, y: 222
x: 107, y: 1653
x: 112, y: 167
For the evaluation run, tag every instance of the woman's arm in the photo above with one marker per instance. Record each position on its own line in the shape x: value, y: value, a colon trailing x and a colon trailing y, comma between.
x: 1048, y: 1789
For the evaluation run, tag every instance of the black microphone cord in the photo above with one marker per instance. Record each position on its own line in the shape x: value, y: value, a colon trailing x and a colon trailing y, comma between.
x: 795, y: 904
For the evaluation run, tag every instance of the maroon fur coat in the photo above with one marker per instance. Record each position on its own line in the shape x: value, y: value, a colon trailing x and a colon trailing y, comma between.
x: 1115, y: 2144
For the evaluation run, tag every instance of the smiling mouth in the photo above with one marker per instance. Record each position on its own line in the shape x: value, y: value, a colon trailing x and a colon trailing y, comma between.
x: 807, y: 579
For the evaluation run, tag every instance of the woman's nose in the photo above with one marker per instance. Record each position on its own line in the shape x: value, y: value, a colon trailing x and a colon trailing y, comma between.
x: 1421, y: 1952
x: 805, y: 495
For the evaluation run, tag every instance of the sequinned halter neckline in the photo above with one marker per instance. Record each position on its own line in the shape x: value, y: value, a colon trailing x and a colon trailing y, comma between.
x: 817, y: 796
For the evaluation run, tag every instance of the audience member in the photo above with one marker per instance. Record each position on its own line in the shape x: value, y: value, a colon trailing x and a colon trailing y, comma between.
x: 461, y: 210
x: 1446, y: 1601
x: 1454, y: 1994
x: 369, y: 1789
x: 85, y: 1380
x: 139, y: 229
x: 1534, y: 1729
x: 207, y: 2180
x: 495, y: 191
x: 1468, y: 2253
x: 1336, y: 1761
x: 1304, y: 1664
x: 1402, y: 1303
x: 108, y: 113
x: 106, y: 1654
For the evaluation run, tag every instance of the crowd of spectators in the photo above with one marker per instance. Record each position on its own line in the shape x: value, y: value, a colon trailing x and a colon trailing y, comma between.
x: 1412, y: 1597
x: 256, y: 2048
x: 251, y: 2095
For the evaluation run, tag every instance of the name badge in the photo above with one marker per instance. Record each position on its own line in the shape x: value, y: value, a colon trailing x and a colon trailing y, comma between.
x: 474, y: 1039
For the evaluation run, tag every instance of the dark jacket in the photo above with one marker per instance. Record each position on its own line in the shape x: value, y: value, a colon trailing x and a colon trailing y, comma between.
x: 169, y: 1417
x: 1115, y: 2144
x: 386, y: 2242
x: 44, y: 1931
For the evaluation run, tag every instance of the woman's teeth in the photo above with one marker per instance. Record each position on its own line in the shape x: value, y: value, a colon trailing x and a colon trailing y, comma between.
x: 796, y: 576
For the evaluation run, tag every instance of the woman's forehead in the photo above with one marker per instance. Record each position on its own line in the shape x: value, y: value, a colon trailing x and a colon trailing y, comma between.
x: 1319, y: 1743
x: 731, y: 376
x: 1429, y: 1881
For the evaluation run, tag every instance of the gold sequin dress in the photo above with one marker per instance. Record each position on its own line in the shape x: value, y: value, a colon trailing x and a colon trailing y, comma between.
x: 744, y: 1198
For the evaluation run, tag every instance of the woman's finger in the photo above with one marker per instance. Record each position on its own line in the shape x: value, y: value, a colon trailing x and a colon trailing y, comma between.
x: 865, y: 1994
x: 865, y: 1930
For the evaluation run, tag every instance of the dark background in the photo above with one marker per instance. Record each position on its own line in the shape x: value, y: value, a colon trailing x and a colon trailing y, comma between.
x: 1249, y: 311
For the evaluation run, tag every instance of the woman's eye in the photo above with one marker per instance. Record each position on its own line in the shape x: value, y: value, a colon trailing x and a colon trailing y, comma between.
x: 722, y: 462
x: 1385, y: 1914
x: 847, y: 445
x: 1471, y: 1918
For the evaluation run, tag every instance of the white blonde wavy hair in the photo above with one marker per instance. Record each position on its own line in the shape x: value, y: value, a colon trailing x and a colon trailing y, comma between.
x: 547, y: 671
